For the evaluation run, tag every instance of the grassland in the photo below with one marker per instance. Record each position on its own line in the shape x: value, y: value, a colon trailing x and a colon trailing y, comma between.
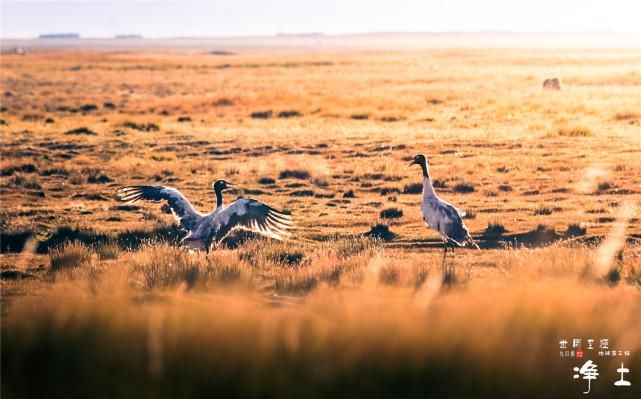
x: 98, y: 302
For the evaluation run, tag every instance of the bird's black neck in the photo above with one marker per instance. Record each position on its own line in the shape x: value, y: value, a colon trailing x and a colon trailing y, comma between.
x: 219, y: 197
x: 425, y: 172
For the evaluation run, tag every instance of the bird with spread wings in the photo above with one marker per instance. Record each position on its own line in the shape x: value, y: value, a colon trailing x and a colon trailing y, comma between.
x: 207, y: 229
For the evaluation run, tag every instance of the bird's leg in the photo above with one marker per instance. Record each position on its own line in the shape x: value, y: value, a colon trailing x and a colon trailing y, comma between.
x: 210, y: 242
x: 443, y: 270
x: 451, y: 267
x: 208, y: 247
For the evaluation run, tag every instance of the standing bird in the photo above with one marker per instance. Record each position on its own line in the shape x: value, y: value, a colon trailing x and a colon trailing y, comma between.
x: 443, y: 217
x: 211, y: 228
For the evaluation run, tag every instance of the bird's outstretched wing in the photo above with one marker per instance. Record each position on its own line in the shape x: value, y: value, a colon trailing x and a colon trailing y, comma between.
x: 182, y: 209
x: 253, y: 215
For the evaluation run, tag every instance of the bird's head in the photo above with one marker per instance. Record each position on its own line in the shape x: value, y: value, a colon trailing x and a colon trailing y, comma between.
x: 419, y: 160
x: 221, y: 185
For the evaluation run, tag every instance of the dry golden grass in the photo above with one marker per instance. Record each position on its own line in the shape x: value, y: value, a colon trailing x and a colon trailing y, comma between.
x: 106, y: 309
x: 351, y: 318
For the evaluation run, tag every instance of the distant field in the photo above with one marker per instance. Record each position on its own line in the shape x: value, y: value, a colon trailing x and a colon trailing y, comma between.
x: 549, y: 180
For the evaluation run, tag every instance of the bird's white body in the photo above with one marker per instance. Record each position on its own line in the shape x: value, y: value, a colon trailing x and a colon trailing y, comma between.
x: 430, y: 206
x: 437, y: 213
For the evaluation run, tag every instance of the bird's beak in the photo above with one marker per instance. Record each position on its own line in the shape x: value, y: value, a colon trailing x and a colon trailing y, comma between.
x: 412, y: 163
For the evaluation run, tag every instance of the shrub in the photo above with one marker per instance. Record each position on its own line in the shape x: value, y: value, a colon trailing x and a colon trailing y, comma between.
x: 389, y: 190
x: 302, y: 193
x: 494, y: 230
x: 391, y: 213
x: 464, y: 188
x: 266, y: 180
x: 289, y: 114
x: 437, y: 183
x: 414, y: 188
x: 575, y: 230
x: 95, y: 176
x: 70, y: 256
x: 349, y: 194
x: 88, y: 107
x: 294, y: 174
x: 26, y: 168
x: 359, y: 117
x: 81, y: 130
x: 604, y: 186
x: 31, y: 185
x: 261, y: 115
x: 223, y: 102
x: 543, y: 211
x: 143, y: 127
x: 382, y: 232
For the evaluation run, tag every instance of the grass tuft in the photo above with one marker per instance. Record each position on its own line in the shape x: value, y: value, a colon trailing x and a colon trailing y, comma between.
x: 494, y: 230
x: 70, y: 256
x: 575, y: 230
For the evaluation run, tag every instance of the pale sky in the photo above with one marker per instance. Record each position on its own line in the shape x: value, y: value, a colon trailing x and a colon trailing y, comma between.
x: 27, y: 19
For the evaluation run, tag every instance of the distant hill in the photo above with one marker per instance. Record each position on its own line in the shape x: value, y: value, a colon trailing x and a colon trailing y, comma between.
x: 59, y: 36
x: 309, y: 34
x: 127, y: 37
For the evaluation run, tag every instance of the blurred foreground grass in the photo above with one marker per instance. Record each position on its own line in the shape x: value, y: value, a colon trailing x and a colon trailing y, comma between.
x: 337, y: 319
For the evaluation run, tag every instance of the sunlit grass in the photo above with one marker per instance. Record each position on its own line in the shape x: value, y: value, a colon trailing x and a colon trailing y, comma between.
x: 122, y: 312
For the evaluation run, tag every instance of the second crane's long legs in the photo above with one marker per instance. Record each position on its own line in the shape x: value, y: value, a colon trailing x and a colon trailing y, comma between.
x: 450, y: 272
x: 443, y: 270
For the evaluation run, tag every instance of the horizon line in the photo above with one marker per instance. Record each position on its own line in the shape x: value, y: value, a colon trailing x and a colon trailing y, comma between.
x: 321, y: 34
